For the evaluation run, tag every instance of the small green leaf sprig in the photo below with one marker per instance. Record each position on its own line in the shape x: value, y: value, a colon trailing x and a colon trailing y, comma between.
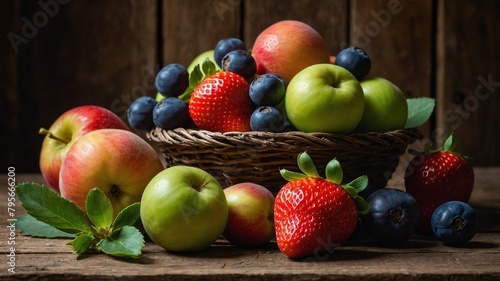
x: 200, y: 72
x: 51, y: 216
x: 419, y: 111
x: 334, y: 174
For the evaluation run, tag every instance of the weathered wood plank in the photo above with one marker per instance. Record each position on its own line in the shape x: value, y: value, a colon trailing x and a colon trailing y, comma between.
x: 421, y: 258
x: 468, y: 77
x: 418, y: 261
x: 91, y: 52
x: 329, y: 18
x: 190, y: 27
x: 397, y: 35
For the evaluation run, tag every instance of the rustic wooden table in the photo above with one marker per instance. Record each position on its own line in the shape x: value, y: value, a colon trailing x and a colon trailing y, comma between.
x: 421, y: 258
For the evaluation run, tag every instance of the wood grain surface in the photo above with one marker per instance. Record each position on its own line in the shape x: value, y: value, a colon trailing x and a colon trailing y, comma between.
x: 421, y: 258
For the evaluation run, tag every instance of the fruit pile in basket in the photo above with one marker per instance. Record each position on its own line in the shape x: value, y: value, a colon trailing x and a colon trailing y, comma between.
x: 102, y: 171
x: 288, y: 81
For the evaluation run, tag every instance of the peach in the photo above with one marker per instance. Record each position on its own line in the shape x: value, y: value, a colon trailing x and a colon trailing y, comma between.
x: 287, y: 47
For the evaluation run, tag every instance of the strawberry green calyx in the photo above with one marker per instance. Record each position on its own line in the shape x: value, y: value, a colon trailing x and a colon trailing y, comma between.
x: 334, y: 174
x: 448, y: 146
x: 199, y: 73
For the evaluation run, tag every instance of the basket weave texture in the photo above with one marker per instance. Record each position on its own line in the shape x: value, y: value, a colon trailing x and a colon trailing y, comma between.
x: 235, y: 157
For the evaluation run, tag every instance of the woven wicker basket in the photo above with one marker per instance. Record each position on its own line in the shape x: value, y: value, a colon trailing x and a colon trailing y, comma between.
x: 235, y: 157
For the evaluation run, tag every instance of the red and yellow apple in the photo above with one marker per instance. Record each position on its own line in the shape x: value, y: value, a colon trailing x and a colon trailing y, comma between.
x: 287, y: 47
x: 250, y: 221
x: 70, y: 126
x: 118, y: 162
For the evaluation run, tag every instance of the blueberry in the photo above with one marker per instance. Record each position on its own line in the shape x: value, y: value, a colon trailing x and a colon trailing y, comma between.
x: 355, y: 60
x: 240, y: 62
x: 140, y: 113
x: 454, y: 222
x: 267, y: 89
x: 225, y: 46
x: 394, y: 216
x: 267, y: 119
x: 172, y: 80
x: 171, y: 113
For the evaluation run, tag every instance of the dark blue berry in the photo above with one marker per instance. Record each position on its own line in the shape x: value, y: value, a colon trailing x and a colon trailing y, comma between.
x: 171, y: 113
x: 267, y: 89
x: 172, y: 80
x: 225, y: 46
x: 355, y: 60
x: 393, y: 218
x: 140, y: 113
x: 454, y: 222
x: 267, y: 119
x: 240, y: 62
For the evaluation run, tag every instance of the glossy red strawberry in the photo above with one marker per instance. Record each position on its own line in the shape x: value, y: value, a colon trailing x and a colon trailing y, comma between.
x: 436, y: 177
x: 313, y: 215
x: 221, y: 103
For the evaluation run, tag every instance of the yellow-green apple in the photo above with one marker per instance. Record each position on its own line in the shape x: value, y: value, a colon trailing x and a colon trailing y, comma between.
x: 287, y: 47
x: 118, y: 162
x: 67, y: 128
x: 184, y: 209
x: 324, y: 98
x: 250, y: 222
x: 386, y: 108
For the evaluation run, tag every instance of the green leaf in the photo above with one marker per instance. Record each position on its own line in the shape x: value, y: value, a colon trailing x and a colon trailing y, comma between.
x: 359, y: 183
x: 351, y: 190
x: 195, y: 76
x: 363, y: 206
x: 125, y: 242
x: 128, y: 216
x: 306, y: 165
x: 290, y: 176
x: 208, y: 67
x: 99, y: 208
x: 44, y: 204
x: 35, y: 228
x: 450, y: 143
x: 82, y: 243
x: 419, y: 111
x: 334, y: 172
x: 198, y: 74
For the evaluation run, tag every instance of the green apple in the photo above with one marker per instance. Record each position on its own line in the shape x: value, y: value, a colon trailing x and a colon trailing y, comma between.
x: 386, y: 108
x: 324, y: 98
x: 184, y: 209
x: 200, y: 58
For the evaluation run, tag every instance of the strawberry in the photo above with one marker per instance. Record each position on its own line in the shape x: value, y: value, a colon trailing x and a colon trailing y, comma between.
x: 221, y: 103
x: 313, y: 215
x: 435, y: 177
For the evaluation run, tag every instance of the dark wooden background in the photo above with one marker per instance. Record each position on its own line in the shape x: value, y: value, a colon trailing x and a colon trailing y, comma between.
x: 107, y: 53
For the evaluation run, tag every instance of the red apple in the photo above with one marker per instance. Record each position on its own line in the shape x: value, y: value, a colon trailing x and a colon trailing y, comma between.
x: 287, y: 47
x: 118, y: 162
x: 70, y: 126
x: 250, y: 222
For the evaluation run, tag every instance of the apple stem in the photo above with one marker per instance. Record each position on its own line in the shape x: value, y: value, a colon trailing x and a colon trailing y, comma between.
x: 46, y: 132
